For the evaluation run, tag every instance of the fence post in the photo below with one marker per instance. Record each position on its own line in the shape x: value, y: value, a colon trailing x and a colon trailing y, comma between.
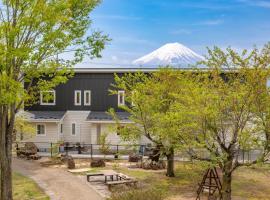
x: 51, y: 149
x: 91, y: 148
x: 66, y: 144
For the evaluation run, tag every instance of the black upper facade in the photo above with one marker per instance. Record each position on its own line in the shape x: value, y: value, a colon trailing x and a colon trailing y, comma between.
x: 97, y: 81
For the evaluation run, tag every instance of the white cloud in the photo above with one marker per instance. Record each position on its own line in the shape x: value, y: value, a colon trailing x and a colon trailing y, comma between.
x: 213, y: 22
x: 181, y: 32
x: 133, y: 40
x: 258, y: 3
x: 114, y: 58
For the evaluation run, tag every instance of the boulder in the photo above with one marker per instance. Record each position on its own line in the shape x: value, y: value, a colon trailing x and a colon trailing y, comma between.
x: 149, y: 164
x: 134, y: 158
x: 98, y: 163
x: 70, y: 162
x: 30, y: 148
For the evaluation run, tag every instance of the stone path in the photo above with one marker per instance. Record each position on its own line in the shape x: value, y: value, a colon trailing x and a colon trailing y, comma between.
x: 57, y: 183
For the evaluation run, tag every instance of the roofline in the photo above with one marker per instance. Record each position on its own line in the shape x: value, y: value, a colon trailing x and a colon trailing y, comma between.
x: 113, y: 70
x: 109, y: 121
x: 43, y: 120
x: 138, y: 69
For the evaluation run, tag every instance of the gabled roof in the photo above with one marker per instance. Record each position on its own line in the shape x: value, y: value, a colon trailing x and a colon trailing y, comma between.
x: 44, y: 116
x: 101, y: 117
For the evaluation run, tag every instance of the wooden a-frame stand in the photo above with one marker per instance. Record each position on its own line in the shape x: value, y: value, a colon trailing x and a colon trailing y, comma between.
x: 210, y: 183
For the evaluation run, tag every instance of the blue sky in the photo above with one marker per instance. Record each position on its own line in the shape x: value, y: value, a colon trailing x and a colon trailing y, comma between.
x: 137, y: 27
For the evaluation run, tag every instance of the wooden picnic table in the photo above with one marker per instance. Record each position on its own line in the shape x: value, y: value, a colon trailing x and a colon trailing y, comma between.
x: 89, y: 175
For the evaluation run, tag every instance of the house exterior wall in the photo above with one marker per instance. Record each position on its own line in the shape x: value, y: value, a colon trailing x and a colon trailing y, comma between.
x: 51, y: 133
x: 83, y: 128
x: 99, y: 85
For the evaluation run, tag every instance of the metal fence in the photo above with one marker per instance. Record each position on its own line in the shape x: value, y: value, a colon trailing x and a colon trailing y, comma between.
x: 87, y: 150
x: 122, y: 151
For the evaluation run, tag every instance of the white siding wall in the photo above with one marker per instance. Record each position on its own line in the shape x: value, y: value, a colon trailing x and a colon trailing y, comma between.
x: 43, y: 141
x: 93, y: 133
x: 86, y: 132
x: 112, y: 137
x: 51, y: 130
x: 83, y: 128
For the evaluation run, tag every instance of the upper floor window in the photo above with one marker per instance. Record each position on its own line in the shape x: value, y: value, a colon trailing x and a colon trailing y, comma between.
x: 121, y: 97
x: 87, y: 97
x: 41, y: 129
x: 77, y: 98
x: 47, y: 97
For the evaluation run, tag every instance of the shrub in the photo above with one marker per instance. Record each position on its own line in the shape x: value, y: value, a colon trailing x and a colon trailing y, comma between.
x: 98, y: 163
x: 151, y: 194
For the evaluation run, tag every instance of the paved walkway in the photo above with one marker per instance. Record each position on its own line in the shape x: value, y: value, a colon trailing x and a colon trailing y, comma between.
x: 57, y: 183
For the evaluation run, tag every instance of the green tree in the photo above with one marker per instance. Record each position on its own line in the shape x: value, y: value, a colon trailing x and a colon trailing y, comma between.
x: 32, y: 34
x: 232, y: 110
x: 22, y: 129
x: 150, y: 100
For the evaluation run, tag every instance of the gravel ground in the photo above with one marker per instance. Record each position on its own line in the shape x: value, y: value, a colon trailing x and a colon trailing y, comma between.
x: 57, y: 183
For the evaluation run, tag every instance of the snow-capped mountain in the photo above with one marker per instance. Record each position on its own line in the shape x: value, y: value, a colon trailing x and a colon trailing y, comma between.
x: 173, y: 54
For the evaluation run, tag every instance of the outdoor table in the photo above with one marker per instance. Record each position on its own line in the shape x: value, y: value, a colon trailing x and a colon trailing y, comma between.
x: 110, y: 177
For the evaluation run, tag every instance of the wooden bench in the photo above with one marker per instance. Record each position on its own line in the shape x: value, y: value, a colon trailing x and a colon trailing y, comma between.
x: 127, y: 182
x: 88, y: 175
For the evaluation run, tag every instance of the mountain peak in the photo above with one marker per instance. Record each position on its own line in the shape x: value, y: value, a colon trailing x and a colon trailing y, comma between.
x: 174, y: 54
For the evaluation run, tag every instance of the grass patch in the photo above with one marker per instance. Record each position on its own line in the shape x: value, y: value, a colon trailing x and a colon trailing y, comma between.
x: 26, y: 189
x: 151, y: 194
x: 250, y: 183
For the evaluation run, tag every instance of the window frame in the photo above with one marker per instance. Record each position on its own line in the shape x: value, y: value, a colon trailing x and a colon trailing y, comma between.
x: 75, y: 126
x: 61, y: 128
x: 85, y: 93
x: 37, y: 129
x: 121, y: 92
x: 75, y: 97
x: 46, y: 103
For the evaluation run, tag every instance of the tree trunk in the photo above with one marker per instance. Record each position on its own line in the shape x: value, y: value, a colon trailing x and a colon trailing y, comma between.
x: 6, y: 154
x: 226, y: 187
x: 170, y: 163
x: 227, y: 181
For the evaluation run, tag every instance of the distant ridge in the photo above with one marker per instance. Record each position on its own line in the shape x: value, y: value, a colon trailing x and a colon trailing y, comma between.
x: 173, y: 54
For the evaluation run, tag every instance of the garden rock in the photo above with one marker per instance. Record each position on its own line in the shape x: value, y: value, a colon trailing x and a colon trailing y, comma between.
x: 31, y: 148
x: 70, y: 162
x: 134, y: 158
x: 97, y: 163
x: 148, y: 164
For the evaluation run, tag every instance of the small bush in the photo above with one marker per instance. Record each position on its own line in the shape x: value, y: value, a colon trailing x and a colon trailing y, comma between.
x: 152, y: 194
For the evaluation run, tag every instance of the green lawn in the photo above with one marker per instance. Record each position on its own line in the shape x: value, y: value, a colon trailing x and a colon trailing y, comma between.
x: 249, y: 183
x: 26, y: 189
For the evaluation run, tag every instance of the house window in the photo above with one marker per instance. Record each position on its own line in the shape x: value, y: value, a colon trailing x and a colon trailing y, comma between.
x: 119, y: 128
x: 47, y: 97
x: 87, y: 97
x: 268, y: 83
x: 73, y: 129
x: 41, y: 129
x: 61, y: 128
x: 121, y: 98
x: 77, y: 98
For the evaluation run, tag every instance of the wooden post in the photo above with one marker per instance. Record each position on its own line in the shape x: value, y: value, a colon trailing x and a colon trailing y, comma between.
x: 91, y: 151
x: 51, y: 149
